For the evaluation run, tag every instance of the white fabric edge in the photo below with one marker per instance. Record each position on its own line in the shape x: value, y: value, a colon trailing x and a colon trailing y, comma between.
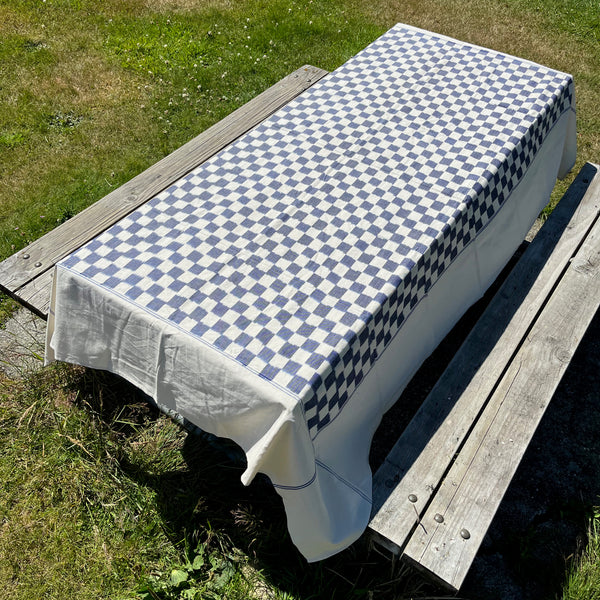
x: 164, y: 365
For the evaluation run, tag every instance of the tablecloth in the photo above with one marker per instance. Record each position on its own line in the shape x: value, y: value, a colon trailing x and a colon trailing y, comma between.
x: 283, y: 293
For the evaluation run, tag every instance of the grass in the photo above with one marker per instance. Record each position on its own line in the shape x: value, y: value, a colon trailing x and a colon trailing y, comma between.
x: 72, y: 524
x: 104, y: 497
x: 583, y: 579
x: 101, y: 496
x: 81, y: 79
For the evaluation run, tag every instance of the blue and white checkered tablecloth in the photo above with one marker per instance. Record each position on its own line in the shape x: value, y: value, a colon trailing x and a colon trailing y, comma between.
x: 299, y: 251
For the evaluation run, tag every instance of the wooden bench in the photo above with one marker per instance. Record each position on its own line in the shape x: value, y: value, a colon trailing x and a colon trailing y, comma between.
x: 440, y: 486
x: 437, y: 492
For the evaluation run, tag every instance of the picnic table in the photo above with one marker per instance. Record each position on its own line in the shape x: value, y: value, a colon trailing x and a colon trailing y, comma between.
x: 282, y: 292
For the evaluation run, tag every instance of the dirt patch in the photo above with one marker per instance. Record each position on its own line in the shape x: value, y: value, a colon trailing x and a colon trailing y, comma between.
x: 22, y: 344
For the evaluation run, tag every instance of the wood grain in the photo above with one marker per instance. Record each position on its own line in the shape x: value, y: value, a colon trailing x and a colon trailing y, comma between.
x: 35, y: 296
x: 475, y: 485
x: 417, y: 463
x: 18, y: 271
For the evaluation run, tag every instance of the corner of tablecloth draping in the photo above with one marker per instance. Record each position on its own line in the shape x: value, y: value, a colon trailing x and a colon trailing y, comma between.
x: 316, y: 530
x: 285, y: 453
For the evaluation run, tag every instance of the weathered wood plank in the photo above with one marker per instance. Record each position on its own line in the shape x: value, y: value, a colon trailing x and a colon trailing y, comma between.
x: 475, y: 485
x: 420, y: 458
x: 17, y: 271
x: 36, y: 294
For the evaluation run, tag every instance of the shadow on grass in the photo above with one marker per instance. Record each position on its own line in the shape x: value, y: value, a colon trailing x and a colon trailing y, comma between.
x: 204, y: 501
x: 541, y: 525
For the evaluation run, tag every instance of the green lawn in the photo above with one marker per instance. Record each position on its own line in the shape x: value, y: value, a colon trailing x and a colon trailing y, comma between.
x: 100, y: 496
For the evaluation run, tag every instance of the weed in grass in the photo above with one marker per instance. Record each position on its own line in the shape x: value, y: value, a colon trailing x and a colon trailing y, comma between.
x: 54, y: 80
x: 65, y: 121
x: 11, y: 139
x: 206, y: 574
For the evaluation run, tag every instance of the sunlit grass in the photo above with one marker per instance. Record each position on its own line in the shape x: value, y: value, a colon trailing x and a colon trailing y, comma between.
x: 583, y: 578
x: 92, y: 95
x: 63, y: 110
x: 143, y: 77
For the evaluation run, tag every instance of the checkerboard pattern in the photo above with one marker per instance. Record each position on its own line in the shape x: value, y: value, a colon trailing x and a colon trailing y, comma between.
x: 300, y: 249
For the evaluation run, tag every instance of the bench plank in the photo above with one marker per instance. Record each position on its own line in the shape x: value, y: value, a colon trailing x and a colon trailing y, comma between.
x: 36, y: 294
x: 18, y: 271
x: 471, y: 492
x: 418, y: 462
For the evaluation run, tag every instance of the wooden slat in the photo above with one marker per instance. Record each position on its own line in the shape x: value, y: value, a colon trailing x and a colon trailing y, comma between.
x: 471, y: 492
x: 17, y: 271
x: 35, y: 296
x: 417, y: 463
